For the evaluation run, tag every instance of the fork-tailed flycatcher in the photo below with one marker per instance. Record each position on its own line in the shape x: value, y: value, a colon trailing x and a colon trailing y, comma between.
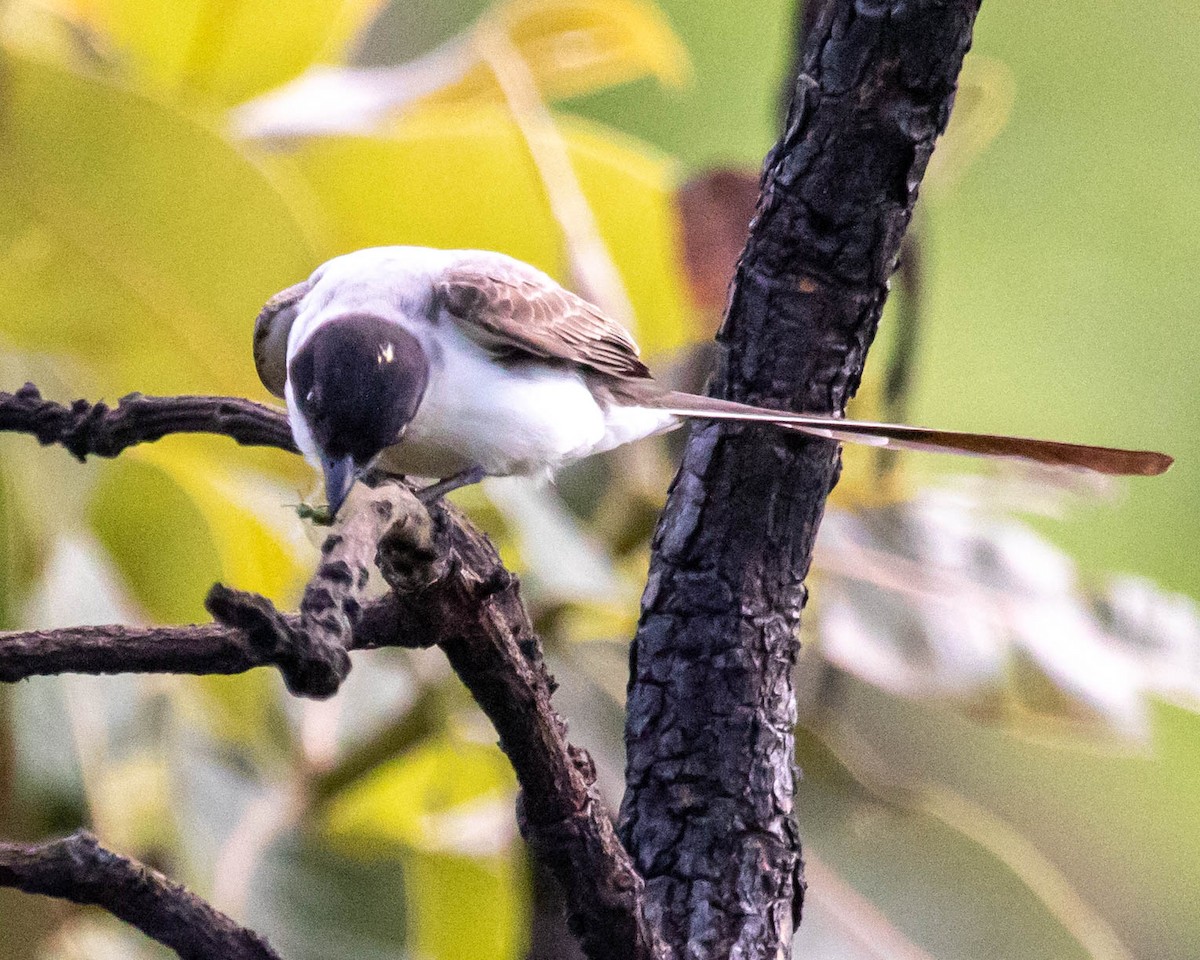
x: 461, y: 364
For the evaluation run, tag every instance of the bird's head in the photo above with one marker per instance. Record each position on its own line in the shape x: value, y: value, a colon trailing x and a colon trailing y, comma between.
x: 357, y: 381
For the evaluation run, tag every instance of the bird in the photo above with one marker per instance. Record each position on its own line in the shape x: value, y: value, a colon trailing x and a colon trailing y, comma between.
x: 455, y: 365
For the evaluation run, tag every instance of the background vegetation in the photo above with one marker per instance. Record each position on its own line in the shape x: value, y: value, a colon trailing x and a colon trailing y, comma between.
x: 1000, y: 746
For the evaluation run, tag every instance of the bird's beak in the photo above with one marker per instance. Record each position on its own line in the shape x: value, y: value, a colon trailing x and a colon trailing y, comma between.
x: 339, y: 478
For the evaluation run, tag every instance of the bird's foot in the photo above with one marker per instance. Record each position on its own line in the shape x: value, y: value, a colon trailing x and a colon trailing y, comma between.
x: 436, y: 491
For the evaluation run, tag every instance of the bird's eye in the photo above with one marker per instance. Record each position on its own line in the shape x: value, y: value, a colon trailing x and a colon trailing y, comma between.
x: 387, y: 353
x: 311, y: 395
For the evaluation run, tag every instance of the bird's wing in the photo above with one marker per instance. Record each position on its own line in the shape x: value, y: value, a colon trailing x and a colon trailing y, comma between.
x: 512, y: 310
x: 271, y: 331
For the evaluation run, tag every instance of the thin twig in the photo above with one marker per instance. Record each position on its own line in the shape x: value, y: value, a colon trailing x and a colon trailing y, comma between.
x: 211, y: 648
x: 313, y: 654
x: 78, y: 869
x: 95, y: 428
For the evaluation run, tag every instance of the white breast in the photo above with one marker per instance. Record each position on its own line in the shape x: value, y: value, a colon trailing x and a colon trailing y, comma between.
x: 507, y: 419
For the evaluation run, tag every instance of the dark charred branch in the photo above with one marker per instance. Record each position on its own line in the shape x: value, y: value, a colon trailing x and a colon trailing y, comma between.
x: 312, y: 651
x: 78, y: 869
x: 472, y: 604
x: 708, y: 813
x: 253, y: 634
x: 95, y: 428
x: 805, y: 22
x: 449, y: 589
x: 313, y: 655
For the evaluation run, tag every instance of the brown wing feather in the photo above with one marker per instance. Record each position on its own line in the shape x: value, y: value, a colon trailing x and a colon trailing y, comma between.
x: 271, y: 331
x: 510, y: 308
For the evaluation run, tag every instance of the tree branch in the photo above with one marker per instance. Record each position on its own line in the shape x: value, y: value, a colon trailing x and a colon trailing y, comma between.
x: 475, y: 609
x: 313, y: 654
x: 248, y: 638
x: 103, y: 431
x: 448, y: 588
x: 708, y: 810
x: 78, y: 869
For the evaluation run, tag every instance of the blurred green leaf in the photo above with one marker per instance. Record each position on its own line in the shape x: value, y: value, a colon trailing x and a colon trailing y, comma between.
x: 20, y: 554
x: 466, y: 908
x: 174, y: 521
x: 39, y: 26
x: 577, y: 46
x: 566, y: 46
x: 465, y: 179
x: 144, y: 243
x: 1176, y: 731
x: 223, y: 50
x: 564, y: 563
x: 446, y: 809
x: 1113, y: 818
x: 937, y: 887
x: 373, y: 743
x: 416, y: 801
x: 315, y: 903
x: 158, y: 537
x: 132, y: 798
x: 982, y: 105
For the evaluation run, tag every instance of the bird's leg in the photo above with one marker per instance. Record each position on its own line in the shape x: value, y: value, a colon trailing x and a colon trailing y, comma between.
x: 437, y: 490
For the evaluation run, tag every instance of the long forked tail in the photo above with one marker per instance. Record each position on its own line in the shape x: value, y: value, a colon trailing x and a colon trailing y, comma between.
x: 1110, y: 460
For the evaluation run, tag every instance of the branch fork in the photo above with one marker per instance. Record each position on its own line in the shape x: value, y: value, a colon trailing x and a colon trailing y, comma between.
x: 447, y: 588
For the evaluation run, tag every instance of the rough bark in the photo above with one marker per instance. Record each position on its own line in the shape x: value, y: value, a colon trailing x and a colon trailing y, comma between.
x: 78, y: 869
x: 708, y: 811
x: 475, y: 607
x: 314, y: 654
